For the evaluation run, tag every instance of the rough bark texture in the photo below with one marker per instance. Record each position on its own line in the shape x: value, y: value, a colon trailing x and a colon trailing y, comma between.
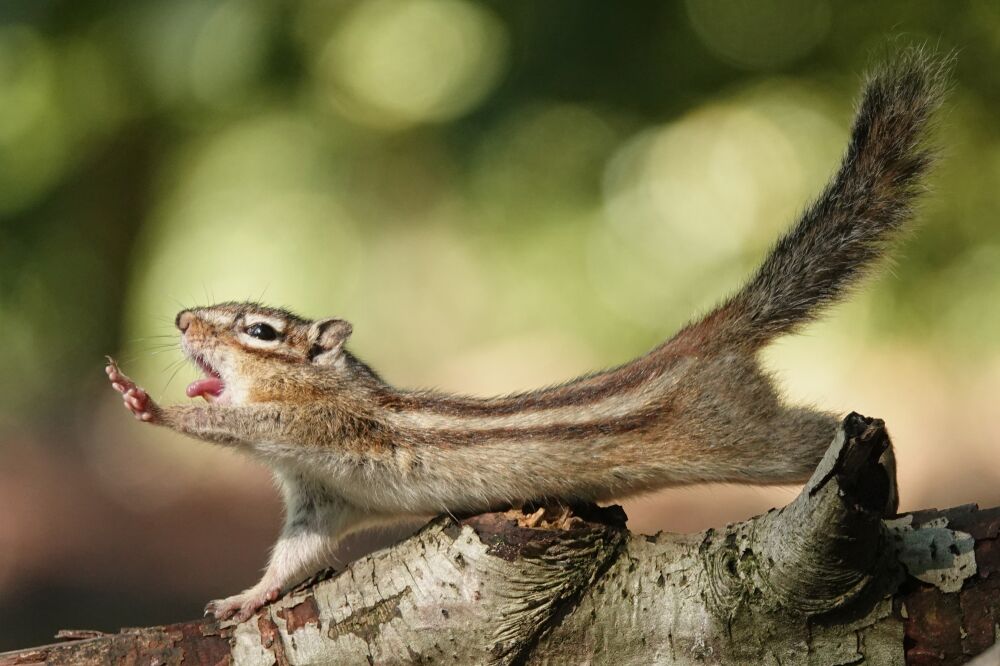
x: 825, y: 580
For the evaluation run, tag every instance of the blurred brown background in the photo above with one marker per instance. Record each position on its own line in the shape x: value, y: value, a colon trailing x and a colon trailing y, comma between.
x: 498, y: 195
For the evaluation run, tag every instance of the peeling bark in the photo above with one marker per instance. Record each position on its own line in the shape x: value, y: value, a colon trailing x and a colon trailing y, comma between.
x: 828, y: 579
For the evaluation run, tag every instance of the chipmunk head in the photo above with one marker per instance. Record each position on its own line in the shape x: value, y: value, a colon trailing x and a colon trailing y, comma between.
x: 239, y: 344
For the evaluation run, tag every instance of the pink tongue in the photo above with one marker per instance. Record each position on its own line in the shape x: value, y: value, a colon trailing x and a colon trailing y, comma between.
x: 210, y: 386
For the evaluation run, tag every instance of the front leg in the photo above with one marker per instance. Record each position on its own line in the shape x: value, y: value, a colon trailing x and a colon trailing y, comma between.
x: 314, y: 523
x: 221, y: 424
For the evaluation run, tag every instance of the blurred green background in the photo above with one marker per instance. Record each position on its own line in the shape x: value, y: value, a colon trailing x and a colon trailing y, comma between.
x: 497, y: 194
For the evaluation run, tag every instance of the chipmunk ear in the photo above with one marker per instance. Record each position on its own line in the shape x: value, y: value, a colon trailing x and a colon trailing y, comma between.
x: 327, y: 338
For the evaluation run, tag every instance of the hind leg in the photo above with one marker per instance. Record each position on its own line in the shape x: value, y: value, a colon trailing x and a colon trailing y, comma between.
x: 313, y: 527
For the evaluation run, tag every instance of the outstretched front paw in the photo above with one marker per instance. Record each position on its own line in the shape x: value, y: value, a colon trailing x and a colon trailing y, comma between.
x: 242, y: 606
x: 136, y: 400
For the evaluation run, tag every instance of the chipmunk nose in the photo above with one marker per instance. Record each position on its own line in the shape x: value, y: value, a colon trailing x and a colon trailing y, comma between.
x: 184, y: 319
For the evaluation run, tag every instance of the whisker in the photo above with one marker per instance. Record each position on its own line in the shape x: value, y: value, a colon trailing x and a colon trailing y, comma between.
x: 157, y: 352
x: 180, y: 364
x: 162, y: 345
x: 166, y: 323
x: 133, y: 354
x: 176, y: 361
x: 128, y: 359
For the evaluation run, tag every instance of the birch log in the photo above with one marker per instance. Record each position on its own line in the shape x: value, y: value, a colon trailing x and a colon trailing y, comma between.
x: 829, y: 579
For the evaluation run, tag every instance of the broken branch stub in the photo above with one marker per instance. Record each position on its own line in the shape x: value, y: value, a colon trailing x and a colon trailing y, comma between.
x: 824, y: 548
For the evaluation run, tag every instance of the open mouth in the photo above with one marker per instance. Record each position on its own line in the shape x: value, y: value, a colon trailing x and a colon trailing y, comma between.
x: 211, y: 387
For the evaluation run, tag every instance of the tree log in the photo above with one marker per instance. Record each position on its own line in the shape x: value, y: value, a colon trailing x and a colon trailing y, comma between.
x: 828, y: 579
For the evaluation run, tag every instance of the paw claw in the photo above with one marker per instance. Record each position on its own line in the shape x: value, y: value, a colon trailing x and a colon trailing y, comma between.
x: 242, y: 607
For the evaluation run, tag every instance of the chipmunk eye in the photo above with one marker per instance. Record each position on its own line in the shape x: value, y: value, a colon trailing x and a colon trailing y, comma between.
x: 262, y: 332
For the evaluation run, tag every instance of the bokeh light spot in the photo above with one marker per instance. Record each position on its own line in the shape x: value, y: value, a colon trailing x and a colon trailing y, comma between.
x: 690, y: 205
x: 395, y: 63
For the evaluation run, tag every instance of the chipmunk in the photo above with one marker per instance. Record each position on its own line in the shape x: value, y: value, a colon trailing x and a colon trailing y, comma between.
x: 350, y: 451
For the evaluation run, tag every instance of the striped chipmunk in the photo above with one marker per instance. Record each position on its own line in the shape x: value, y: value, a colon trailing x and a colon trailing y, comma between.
x: 351, y: 451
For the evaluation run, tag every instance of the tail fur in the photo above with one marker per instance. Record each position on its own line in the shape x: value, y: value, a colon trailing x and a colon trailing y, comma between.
x: 851, y: 226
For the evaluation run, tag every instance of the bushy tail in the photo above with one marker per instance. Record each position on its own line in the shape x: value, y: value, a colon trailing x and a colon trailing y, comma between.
x: 843, y: 234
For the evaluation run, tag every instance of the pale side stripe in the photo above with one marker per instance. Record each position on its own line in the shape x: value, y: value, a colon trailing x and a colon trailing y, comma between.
x: 613, y: 406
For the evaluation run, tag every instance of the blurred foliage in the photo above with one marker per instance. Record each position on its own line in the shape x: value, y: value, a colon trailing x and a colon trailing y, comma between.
x: 452, y: 175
